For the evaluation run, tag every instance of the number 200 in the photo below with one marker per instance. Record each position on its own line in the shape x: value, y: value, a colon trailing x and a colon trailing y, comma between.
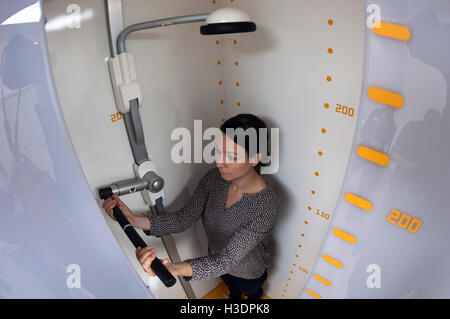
x: 345, y: 110
x: 404, y: 220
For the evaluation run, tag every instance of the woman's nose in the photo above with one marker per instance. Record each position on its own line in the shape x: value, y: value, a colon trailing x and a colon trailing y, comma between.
x: 220, y: 165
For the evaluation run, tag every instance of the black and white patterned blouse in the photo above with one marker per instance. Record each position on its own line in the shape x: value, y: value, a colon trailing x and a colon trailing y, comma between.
x: 234, y: 234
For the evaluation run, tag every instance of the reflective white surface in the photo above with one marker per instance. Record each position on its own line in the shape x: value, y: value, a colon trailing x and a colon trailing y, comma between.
x: 282, y: 75
x: 49, y: 220
x: 177, y: 71
x: 416, y: 182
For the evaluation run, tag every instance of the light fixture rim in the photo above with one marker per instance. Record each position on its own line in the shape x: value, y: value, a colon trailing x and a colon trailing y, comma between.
x: 227, y: 15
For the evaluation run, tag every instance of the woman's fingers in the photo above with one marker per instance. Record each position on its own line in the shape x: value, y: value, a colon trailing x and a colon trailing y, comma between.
x: 118, y: 201
x: 108, y: 206
x: 142, y: 253
x: 106, y: 203
x: 146, y: 256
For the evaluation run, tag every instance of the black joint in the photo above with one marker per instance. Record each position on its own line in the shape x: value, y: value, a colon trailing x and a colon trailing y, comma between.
x: 105, y: 193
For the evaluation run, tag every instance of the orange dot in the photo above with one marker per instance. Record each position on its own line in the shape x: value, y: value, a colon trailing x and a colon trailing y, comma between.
x: 306, y: 222
x: 294, y: 264
x: 289, y: 278
x: 323, y: 131
x: 330, y: 22
x: 234, y: 42
x: 303, y: 235
x: 236, y: 63
x: 217, y: 42
x: 326, y: 105
x: 313, y: 192
x: 320, y: 153
x: 296, y: 255
x: 329, y: 78
x: 330, y: 50
x: 214, y: 1
x: 299, y: 246
x: 231, y: 1
x: 237, y: 84
x: 309, y: 208
x: 238, y: 104
x: 220, y: 82
x: 291, y: 272
x: 223, y: 120
x: 221, y: 101
x: 218, y: 62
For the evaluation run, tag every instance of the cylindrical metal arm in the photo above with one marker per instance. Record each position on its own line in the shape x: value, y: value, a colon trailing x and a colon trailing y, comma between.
x: 155, y: 24
x: 123, y: 188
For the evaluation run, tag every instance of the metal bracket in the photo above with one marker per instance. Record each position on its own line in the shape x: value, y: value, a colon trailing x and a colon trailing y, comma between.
x: 135, y: 132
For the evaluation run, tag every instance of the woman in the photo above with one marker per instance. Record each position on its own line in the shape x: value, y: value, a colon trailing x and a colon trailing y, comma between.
x: 238, y: 209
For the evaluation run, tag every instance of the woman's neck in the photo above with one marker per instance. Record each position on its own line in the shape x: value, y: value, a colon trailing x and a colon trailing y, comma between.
x: 249, y: 183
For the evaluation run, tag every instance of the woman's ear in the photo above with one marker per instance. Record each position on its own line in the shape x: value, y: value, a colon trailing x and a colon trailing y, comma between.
x: 255, y: 159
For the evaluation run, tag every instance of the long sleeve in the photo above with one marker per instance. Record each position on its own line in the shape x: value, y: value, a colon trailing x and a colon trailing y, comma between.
x: 179, y: 221
x: 240, y: 244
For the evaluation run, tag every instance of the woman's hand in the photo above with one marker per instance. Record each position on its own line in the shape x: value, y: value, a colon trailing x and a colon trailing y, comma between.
x: 146, y: 256
x: 109, y: 203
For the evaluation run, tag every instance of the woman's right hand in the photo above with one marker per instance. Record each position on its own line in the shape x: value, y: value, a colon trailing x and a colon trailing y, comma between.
x: 110, y: 203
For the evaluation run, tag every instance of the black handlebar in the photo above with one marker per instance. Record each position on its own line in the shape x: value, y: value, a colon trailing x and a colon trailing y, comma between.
x: 157, y: 266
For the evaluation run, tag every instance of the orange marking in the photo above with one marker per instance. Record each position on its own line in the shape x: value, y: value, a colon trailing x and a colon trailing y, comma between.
x: 373, y: 155
x: 313, y: 294
x: 322, y: 280
x: 345, y: 236
x: 385, y: 97
x: 358, y: 201
x: 392, y: 30
x: 332, y: 261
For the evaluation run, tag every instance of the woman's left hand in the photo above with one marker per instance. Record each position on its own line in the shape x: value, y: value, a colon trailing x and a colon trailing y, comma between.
x: 146, y: 256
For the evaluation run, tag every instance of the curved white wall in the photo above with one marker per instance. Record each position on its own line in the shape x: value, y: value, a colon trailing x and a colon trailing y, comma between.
x: 400, y: 248
x: 54, y: 242
x: 282, y: 72
x: 178, y: 87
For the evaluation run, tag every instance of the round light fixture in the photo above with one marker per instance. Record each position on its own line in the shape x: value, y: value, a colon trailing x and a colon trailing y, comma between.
x: 227, y: 20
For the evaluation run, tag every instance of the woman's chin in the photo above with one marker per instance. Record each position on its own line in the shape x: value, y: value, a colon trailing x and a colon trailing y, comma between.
x: 225, y: 176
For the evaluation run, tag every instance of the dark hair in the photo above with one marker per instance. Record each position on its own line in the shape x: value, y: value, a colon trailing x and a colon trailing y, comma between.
x: 246, y: 121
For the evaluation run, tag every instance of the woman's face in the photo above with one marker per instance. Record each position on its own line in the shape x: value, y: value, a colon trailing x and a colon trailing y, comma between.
x: 232, y: 159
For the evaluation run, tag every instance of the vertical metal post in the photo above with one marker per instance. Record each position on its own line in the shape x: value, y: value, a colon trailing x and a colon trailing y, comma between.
x: 114, y: 18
